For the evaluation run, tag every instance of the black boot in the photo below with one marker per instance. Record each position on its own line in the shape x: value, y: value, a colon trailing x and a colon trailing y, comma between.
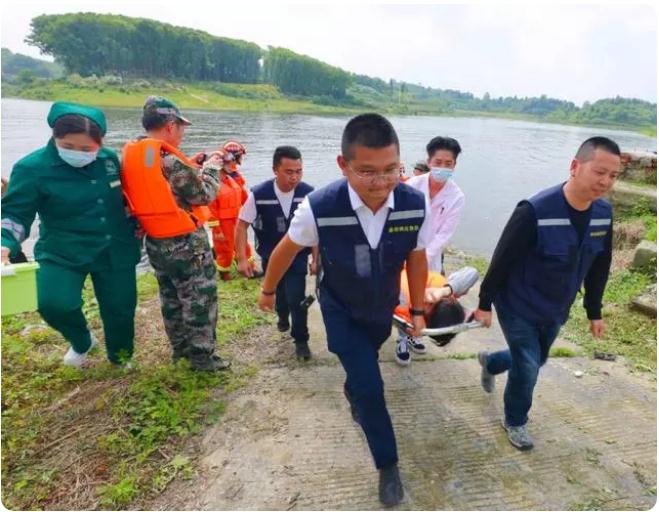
x: 283, y: 325
x: 302, y: 350
x: 391, y: 488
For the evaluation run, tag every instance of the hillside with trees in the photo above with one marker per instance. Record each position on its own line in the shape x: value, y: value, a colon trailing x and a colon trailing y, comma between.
x: 104, y: 51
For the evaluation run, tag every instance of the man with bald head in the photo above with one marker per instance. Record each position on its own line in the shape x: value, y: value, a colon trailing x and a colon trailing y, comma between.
x: 554, y: 242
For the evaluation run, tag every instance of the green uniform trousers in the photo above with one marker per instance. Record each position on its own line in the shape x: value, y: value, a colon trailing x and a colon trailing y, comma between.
x: 59, y: 292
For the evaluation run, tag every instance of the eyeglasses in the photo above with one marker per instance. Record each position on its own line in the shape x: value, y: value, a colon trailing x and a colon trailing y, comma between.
x: 388, y: 175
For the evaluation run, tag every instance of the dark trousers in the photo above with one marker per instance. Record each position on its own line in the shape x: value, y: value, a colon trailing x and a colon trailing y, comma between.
x: 59, y: 292
x: 357, y: 347
x: 529, y: 346
x: 290, y: 293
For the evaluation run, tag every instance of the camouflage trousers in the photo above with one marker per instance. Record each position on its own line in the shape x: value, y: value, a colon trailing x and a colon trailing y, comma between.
x: 186, y: 275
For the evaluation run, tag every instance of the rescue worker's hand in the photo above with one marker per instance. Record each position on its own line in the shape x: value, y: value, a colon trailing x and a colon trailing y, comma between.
x: 484, y: 317
x: 597, y: 328
x: 313, y: 267
x: 266, y: 302
x: 214, y: 160
x: 245, y: 268
x: 5, y: 255
x: 418, y: 325
x: 199, y: 158
x: 434, y: 295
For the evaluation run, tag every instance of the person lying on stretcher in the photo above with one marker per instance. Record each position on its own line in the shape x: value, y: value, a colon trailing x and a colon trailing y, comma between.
x: 442, y: 309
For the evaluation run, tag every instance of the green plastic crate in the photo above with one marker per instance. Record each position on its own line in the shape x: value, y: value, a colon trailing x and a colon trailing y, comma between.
x: 19, y: 288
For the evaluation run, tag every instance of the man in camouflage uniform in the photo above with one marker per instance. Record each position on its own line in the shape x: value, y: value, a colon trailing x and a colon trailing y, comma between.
x: 184, y: 264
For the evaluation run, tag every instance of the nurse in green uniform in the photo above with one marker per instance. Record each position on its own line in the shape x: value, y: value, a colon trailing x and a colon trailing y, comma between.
x: 73, y: 183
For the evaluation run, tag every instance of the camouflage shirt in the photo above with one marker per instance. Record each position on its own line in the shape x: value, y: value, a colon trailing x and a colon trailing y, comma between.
x: 190, y: 186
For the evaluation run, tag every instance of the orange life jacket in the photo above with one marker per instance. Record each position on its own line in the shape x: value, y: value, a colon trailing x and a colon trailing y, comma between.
x: 228, y: 201
x: 435, y: 280
x: 149, y: 195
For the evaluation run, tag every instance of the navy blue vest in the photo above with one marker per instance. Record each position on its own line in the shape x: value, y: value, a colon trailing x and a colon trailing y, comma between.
x: 271, y: 223
x: 542, y: 288
x: 364, y: 283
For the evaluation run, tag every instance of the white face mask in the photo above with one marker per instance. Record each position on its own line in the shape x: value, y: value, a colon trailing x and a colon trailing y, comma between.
x: 77, y: 158
x: 441, y: 174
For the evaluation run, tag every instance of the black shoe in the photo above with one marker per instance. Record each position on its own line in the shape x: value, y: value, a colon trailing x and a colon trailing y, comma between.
x: 257, y: 274
x: 213, y: 364
x: 353, y: 411
x: 391, y: 488
x: 283, y: 326
x: 302, y: 351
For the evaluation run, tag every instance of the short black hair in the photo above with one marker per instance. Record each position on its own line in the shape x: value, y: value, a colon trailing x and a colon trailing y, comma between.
x: 588, y: 147
x: 445, y: 314
x: 285, y: 152
x: 446, y: 143
x: 155, y: 121
x: 74, y: 123
x: 368, y: 130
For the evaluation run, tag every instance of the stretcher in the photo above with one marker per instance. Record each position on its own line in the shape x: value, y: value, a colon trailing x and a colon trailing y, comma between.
x: 439, y: 331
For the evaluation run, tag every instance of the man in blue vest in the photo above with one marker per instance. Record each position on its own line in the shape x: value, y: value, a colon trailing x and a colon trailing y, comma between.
x: 554, y: 242
x: 367, y: 226
x: 269, y: 209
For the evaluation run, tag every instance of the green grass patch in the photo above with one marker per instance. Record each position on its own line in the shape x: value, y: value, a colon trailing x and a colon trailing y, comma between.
x: 562, y: 352
x: 628, y: 333
x: 105, y: 437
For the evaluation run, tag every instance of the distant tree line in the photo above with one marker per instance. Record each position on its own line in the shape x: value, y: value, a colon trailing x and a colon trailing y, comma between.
x: 98, y: 44
x: 16, y: 65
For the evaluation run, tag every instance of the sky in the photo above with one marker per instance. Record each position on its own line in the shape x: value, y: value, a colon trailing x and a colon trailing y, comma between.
x: 572, y: 52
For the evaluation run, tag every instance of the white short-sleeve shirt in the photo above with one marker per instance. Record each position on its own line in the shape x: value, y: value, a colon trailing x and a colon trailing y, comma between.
x: 303, y: 230
x: 248, y: 211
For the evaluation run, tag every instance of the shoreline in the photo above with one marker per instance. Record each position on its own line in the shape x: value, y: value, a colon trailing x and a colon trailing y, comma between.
x: 205, y: 99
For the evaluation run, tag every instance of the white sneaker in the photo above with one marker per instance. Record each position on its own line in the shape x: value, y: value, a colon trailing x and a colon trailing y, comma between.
x: 73, y: 358
x: 403, y: 357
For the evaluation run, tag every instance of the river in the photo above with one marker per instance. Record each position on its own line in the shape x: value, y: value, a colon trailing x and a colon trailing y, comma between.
x: 502, y: 161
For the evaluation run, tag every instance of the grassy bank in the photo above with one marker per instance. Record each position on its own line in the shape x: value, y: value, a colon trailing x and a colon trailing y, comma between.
x: 107, y: 92
x: 629, y: 333
x: 105, y: 437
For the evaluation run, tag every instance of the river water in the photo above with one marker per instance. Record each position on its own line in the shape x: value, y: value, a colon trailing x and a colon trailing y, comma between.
x: 502, y: 161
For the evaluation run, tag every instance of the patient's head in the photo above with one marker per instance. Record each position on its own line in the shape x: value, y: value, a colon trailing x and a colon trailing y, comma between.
x: 445, y: 314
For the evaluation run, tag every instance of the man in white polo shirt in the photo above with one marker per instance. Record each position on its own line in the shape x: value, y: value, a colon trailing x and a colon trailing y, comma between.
x: 269, y: 209
x: 367, y: 226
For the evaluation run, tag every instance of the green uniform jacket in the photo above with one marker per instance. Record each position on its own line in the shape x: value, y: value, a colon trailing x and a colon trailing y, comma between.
x: 81, y: 210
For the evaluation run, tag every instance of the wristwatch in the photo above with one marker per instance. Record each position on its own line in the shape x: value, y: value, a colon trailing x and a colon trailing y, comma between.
x: 416, y: 312
x: 267, y: 294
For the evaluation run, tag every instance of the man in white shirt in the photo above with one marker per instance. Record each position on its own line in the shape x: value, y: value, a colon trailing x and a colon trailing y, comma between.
x: 269, y: 209
x: 447, y: 202
x: 367, y: 226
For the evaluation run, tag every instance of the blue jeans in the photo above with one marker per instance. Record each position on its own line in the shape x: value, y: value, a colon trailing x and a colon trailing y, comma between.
x: 529, y: 346
x: 290, y: 293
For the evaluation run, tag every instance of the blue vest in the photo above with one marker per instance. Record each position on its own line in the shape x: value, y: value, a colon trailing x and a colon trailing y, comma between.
x: 361, y: 282
x: 542, y: 288
x: 271, y: 223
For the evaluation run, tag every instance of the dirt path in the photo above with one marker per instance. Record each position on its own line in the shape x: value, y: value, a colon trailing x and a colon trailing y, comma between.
x: 287, y: 440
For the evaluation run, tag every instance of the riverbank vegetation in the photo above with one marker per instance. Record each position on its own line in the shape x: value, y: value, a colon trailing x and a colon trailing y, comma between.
x: 112, y: 60
x: 105, y: 437
x: 629, y: 333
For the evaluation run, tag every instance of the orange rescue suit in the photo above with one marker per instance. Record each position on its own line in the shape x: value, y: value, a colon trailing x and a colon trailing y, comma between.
x: 149, y: 195
x: 225, y: 209
x: 435, y: 280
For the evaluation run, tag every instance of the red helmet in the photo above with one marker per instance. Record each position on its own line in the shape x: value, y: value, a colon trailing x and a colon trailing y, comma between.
x: 233, y: 146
